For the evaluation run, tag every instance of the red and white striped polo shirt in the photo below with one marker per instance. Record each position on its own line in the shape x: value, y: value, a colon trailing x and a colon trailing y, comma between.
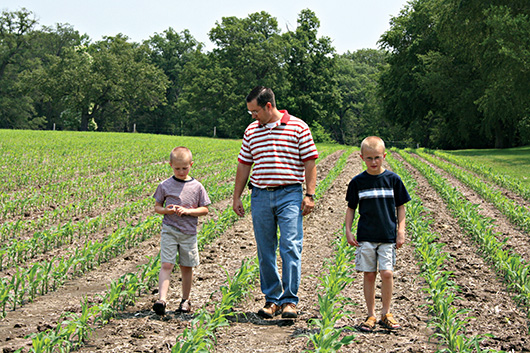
x: 278, y: 153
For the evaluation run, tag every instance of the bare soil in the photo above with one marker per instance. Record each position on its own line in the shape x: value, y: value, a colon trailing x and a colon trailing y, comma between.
x: 139, y: 329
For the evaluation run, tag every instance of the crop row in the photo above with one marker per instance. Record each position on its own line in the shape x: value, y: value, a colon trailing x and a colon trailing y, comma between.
x: 78, y: 196
x: 123, y: 292
x: 59, y: 156
x: 331, y: 303
x: 48, y: 275
x: 514, y: 269
x: 449, y: 321
x: 518, y: 214
x: 19, y: 250
x: 505, y: 181
x: 200, y: 336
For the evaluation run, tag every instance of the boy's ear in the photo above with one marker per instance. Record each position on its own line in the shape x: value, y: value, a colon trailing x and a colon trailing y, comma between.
x: 361, y: 155
x: 191, y: 163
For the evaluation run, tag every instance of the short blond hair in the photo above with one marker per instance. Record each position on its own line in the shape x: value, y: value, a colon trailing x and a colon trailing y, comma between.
x: 373, y: 142
x: 180, y: 153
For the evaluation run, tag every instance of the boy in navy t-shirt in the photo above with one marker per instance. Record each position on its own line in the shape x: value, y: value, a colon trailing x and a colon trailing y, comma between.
x: 380, y: 196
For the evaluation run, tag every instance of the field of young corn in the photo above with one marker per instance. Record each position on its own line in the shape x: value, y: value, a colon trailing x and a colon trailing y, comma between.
x: 79, y: 254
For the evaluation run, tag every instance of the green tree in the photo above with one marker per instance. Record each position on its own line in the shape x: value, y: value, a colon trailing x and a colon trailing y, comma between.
x: 48, y: 44
x: 16, y: 36
x: 311, y: 92
x: 170, y: 51
x: 248, y: 53
x: 107, y: 83
x: 411, y: 35
x: 359, y: 114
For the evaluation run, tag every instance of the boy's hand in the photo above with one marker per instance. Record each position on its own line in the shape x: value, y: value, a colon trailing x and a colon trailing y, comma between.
x: 400, y: 239
x: 178, y: 210
x: 351, y: 239
x: 171, y: 208
x: 181, y: 211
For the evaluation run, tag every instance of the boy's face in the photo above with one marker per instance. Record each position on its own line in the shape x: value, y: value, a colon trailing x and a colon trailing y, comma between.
x: 181, y: 168
x: 373, y: 158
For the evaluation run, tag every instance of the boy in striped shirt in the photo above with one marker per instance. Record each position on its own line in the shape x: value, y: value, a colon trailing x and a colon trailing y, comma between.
x: 380, y: 195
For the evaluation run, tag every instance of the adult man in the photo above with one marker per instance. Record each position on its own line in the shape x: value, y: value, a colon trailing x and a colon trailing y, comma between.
x: 282, y: 150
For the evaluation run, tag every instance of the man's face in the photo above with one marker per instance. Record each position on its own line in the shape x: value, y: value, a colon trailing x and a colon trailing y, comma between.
x: 262, y: 114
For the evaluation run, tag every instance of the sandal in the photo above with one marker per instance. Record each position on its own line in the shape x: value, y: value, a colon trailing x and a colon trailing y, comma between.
x: 185, y: 306
x: 160, y: 307
x: 368, y: 325
x: 389, y: 322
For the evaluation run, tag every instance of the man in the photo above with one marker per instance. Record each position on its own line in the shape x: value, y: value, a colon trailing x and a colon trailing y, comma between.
x: 282, y: 150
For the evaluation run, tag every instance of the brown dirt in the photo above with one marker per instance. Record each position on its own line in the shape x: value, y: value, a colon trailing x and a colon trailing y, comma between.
x: 140, y: 330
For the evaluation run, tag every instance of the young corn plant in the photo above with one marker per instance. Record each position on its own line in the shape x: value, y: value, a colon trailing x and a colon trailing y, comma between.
x: 480, y: 229
x: 506, y: 181
x: 511, y: 209
x: 331, y: 303
x: 450, y: 322
x: 200, y: 337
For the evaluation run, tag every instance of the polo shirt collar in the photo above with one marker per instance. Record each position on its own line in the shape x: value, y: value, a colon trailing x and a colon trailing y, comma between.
x: 284, y: 120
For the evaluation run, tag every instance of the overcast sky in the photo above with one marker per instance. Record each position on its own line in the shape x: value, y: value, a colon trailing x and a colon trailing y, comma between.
x: 351, y: 24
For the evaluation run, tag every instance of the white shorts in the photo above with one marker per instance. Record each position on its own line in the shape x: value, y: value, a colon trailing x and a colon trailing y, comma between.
x: 369, y: 255
x: 173, y: 243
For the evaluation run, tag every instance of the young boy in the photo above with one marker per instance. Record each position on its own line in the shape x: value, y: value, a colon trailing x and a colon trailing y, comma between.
x: 378, y: 193
x: 181, y: 199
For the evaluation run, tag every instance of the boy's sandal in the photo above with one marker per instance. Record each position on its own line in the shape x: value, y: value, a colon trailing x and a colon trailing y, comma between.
x: 389, y: 322
x: 160, y: 307
x: 185, y: 306
x: 368, y: 325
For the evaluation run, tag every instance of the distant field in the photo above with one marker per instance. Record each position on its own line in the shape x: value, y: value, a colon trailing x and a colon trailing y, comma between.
x: 514, y: 162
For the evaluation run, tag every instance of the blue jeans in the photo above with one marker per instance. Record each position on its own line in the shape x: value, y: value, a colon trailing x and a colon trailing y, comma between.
x: 270, y: 210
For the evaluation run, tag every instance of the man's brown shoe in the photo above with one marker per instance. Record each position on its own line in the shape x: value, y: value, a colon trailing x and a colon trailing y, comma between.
x: 269, y: 310
x: 289, y: 311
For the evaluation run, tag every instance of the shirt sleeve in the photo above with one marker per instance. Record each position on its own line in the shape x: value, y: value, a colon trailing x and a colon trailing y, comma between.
x: 308, y: 149
x: 159, y: 194
x: 245, y: 156
x: 204, y: 199
x: 402, y: 195
x: 352, y: 195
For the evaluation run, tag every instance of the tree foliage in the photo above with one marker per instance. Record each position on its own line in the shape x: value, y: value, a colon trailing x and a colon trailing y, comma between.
x: 449, y: 74
x: 459, y: 73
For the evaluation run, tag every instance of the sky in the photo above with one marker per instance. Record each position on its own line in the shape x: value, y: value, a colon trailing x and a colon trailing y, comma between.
x: 351, y: 24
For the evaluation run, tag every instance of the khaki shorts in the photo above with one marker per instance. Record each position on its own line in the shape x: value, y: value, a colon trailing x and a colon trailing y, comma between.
x: 369, y: 255
x: 173, y: 243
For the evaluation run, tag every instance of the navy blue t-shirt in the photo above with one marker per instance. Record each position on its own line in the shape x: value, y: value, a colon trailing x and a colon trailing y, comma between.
x: 377, y: 197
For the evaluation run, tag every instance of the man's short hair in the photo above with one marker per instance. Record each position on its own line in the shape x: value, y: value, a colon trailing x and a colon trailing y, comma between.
x: 262, y: 95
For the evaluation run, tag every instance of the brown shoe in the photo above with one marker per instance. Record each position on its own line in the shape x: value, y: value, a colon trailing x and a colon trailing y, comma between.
x: 289, y: 311
x: 269, y: 310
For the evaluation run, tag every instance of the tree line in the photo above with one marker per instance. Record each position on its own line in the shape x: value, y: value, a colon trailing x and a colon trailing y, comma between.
x: 438, y: 79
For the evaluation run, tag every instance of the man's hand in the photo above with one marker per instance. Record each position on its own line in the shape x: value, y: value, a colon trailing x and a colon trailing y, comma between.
x: 237, y: 205
x: 307, y: 205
